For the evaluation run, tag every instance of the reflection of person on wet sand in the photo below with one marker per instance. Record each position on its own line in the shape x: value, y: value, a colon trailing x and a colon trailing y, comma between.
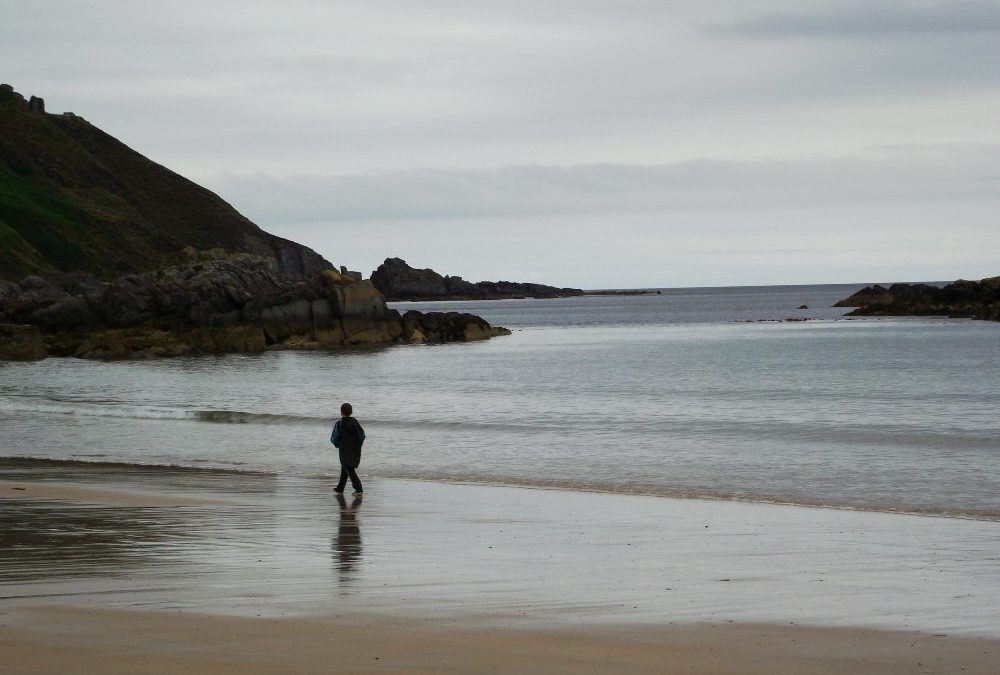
x: 347, y: 546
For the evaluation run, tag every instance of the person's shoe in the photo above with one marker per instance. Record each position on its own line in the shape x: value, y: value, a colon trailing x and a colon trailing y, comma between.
x: 359, y: 492
x: 339, y: 491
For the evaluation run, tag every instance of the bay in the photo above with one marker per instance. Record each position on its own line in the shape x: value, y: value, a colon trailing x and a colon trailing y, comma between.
x: 718, y: 393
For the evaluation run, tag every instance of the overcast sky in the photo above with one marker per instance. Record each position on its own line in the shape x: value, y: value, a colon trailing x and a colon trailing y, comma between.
x: 591, y: 143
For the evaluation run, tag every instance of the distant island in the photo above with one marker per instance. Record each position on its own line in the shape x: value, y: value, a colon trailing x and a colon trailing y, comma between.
x: 961, y: 299
x: 396, y: 280
x: 106, y: 254
x: 625, y: 291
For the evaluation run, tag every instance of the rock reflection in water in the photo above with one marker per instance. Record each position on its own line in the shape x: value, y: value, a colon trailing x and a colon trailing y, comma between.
x: 347, y: 544
x: 43, y: 539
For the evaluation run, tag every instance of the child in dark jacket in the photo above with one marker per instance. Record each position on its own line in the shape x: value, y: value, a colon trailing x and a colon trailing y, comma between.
x: 348, y: 436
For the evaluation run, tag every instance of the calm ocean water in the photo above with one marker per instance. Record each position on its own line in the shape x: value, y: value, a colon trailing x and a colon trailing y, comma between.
x: 673, y: 394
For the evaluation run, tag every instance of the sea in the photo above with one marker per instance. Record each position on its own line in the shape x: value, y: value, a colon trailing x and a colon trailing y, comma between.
x: 758, y: 394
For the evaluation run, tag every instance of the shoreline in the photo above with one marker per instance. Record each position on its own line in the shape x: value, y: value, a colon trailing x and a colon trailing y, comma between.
x: 556, y: 486
x: 681, y: 495
x: 165, y: 569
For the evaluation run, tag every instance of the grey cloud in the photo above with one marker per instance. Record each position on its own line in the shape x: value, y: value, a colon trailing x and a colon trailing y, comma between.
x: 912, y: 174
x: 879, y: 19
x: 917, y: 241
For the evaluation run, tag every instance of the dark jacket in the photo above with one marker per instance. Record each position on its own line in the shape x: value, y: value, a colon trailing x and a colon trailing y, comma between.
x: 348, y: 436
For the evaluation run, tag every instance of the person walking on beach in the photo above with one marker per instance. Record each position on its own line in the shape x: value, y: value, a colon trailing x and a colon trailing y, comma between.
x: 348, y: 436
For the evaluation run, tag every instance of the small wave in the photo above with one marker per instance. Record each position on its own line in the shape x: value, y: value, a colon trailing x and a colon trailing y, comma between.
x: 84, y: 409
x: 142, y: 412
x: 461, y: 425
x: 27, y: 461
x: 237, y: 417
x: 90, y: 410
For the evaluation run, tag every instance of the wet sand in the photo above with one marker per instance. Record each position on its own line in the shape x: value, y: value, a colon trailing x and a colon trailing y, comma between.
x: 75, y: 494
x: 106, y: 569
x: 102, y: 641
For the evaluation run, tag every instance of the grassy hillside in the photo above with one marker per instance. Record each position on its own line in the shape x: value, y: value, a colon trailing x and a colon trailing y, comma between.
x: 73, y: 198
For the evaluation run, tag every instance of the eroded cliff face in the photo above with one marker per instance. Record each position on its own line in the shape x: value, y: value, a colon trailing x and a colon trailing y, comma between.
x: 961, y: 299
x: 219, y: 306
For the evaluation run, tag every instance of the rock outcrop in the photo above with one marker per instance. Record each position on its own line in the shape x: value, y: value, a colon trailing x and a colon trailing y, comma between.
x: 239, y: 304
x: 398, y: 281
x: 961, y: 299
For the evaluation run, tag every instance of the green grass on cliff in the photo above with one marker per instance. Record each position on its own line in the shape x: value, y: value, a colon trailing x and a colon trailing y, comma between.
x: 20, y: 257
x: 41, y: 219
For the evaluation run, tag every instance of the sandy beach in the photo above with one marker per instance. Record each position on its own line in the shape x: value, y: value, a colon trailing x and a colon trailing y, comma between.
x: 141, y: 570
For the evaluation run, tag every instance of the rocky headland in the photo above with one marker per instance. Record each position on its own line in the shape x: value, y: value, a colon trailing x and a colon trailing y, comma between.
x: 398, y: 281
x: 961, y: 299
x: 106, y: 254
x: 220, y: 306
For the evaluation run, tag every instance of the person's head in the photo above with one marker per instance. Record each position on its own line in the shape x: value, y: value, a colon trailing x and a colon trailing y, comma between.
x: 346, y: 410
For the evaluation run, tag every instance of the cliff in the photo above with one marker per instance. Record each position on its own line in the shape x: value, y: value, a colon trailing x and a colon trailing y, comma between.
x: 961, y: 299
x: 74, y: 199
x: 398, y: 281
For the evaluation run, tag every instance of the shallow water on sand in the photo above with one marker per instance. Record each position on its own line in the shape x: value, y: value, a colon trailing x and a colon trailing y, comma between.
x: 263, y: 545
x: 669, y: 394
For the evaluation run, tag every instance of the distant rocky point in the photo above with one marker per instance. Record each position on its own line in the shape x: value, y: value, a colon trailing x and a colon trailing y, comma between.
x: 626, y: 291
x: 398, y: 281
x: 961, y: 299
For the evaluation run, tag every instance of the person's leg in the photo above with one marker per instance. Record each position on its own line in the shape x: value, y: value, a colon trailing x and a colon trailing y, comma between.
x: 355, y: 481
x: 343, y: 479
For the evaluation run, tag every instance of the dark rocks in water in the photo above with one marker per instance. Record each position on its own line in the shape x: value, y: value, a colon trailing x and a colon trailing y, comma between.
x: 789, y: 319
x: 398, y: 281
x: 219, y: 306
x: 803, y: 306
x: 447, y: 327
x: 961, y: 299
